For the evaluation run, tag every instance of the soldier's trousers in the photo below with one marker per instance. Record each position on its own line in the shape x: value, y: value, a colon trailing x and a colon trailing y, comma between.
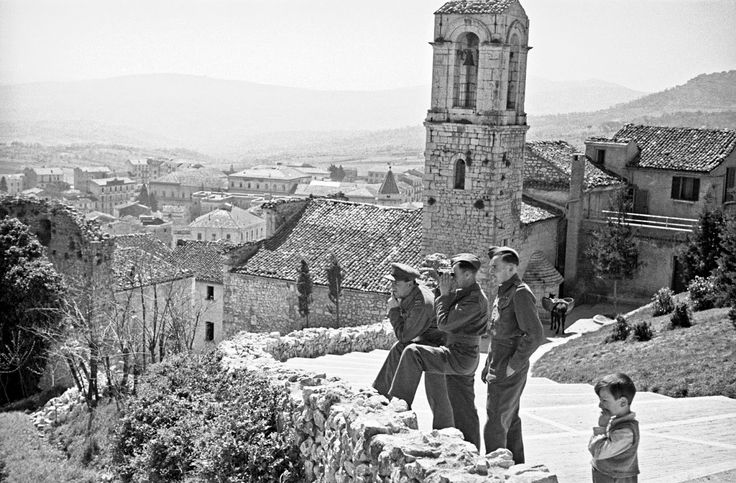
x: 503, y: 427
x: 434, y: 385
x: 458, y: 363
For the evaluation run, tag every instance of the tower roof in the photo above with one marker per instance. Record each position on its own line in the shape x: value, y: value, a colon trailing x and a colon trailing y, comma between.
x: 389, y: 186
x: 476, y: 6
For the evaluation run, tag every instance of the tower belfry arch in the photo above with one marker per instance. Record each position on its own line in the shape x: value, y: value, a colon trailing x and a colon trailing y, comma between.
x: 476, y: 127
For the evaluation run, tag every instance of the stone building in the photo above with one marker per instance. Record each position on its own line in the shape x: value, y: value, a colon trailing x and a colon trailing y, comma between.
x: 476, y: 127
x: 205, y: 260
x: 227, y: 223
x: 145, y: 170
x: 42, y: 177
x: 83, y: 175
x: 13, y: 182
x: 109, y: 192
x: 178, y: 187
x: 267, y: 179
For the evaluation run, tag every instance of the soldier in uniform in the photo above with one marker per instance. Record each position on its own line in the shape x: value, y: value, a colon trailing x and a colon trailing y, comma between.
x: 516, y: 332
x: 411, y: 313
x: 462, y: 314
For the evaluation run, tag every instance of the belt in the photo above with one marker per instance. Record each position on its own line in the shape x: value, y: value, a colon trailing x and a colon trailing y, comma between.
x: 463, y: 339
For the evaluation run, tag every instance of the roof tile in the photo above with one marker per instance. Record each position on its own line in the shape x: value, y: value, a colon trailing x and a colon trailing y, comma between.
x: 475, y: 6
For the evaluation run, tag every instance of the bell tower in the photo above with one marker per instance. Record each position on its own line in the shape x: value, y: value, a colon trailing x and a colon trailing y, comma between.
x: 476, y: 127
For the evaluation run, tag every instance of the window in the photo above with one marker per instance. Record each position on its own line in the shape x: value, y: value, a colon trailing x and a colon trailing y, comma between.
x: 214, y: 236
x: 512, y: 88
x: 729, y: 187
x: 466, y: 71
x: 210, y: 292
x: 209, y: 333
x: 459, y: 175
x: 227, y: 236
x: 600, y: 156
x: 199, y: 236
x: 685, y: 188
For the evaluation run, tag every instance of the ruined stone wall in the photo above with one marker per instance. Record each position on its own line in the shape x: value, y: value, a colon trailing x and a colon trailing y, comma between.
x: 259, y: 304
x: 356, y: 435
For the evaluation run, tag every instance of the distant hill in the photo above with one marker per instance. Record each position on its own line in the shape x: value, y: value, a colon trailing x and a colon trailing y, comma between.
x: 242, y: 122
x: 236, y: 118
x: 557, y: 97
x: 708, y: 100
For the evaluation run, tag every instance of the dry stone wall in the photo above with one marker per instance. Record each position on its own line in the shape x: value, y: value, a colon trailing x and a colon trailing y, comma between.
x: 356, y: 435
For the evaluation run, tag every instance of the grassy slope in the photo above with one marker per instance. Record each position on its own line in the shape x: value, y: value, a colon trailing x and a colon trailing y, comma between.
x: 697, y: 361
x: 27, y: 457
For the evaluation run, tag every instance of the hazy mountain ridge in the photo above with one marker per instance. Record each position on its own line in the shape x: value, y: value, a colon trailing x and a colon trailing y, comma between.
x: 708, y: 100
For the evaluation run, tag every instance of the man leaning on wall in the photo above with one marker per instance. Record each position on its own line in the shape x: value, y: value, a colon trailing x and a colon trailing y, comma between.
x: 412, y: 316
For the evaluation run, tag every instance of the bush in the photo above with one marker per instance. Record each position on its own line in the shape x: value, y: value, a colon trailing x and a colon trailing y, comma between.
x: 681, y: 317
x: 732, y: 316
x: 193, y: 422
x: 702, y: 293
x: 643, y: 332
x: 621, y: 330
x: 663, y: 303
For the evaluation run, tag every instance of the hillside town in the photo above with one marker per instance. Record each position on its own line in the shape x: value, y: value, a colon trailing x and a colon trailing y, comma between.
x: 274, y: 262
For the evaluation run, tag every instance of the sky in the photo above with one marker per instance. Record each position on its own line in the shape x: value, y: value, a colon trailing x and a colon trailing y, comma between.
x: 647, y: 45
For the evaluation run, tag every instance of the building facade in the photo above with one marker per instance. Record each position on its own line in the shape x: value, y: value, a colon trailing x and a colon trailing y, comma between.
x: 109, y: 192
x: 277, y: 180
x: 83, y: 175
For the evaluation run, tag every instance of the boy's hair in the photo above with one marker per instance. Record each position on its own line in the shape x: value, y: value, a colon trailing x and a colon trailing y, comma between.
x: 511, y: 258
x: 618, y: 384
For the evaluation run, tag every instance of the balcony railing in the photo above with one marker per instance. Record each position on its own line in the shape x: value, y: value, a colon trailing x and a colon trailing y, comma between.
x: 649, y: 221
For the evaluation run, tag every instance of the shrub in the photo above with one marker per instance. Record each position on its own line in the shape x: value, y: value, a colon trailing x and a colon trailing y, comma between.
x: 663, y: 303
x: 732, y: 316
x: 702, y: 293
x: 621, y: 330
x: 643, y: 332
x: 194, y: 422
x: 681, y: 317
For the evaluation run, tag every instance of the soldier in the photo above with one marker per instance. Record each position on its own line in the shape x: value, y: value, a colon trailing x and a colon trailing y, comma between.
x: 411, y: 313
x: 462, y: 314
x: 516, y: 332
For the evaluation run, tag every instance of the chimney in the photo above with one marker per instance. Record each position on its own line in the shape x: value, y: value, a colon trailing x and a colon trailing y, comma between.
x: 574, y: 215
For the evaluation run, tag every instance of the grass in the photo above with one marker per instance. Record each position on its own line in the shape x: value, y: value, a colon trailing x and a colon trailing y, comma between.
x: 696, y: 361
x: 25, y: 456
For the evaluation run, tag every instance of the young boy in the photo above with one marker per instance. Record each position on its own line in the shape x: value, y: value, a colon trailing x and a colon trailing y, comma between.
x: 615, y: 440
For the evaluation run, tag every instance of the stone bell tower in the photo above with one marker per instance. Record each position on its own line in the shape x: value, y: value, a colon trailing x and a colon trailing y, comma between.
x: 476, y: 127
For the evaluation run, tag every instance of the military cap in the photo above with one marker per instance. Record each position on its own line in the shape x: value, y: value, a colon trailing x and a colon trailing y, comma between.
x: 467, y: 258
x: 402, y: 271
x: 493, y: 251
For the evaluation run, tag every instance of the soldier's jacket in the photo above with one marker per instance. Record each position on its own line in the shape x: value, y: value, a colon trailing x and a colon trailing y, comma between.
x: 414, y: 320
x: 516, y: 330
x: 463, y: 315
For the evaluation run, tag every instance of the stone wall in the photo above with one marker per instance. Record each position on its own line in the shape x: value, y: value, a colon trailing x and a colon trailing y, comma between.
x: 356, y: 435
x: 259, y: 304
x: 279, y: 212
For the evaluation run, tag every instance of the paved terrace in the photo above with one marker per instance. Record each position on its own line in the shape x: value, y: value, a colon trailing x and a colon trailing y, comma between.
x: 683, y: 439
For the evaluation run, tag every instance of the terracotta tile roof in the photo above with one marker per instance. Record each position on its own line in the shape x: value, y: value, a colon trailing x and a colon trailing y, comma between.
x: 141, y: 259
x: 234, y: 218
x: 365, y: 238
x: 203, y: 258
x: 389, y: 187
x: 532, y: 212
x: 678, y: 148
x: 539, y: 271
x: 548, y: 165
x: 477, y: 6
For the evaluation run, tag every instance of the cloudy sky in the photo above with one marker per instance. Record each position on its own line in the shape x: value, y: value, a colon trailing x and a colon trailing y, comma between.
x: 647, y: 45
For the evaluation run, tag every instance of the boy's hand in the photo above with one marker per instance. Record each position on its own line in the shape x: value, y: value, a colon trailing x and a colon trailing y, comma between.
x: 392, y: 302
x: 445, y: 283
x: 604, y: 418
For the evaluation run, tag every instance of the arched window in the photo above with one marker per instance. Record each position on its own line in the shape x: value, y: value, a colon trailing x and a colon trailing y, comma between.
x: 459, y: 175
x: 512, y: 89
x: 466, y: 71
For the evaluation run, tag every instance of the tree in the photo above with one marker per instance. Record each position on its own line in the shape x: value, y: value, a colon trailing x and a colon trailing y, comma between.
x: 3, y: 184
x: 336, y: 173
x: 700, y: 255
x: 304, y: 287
x: 152, y: 202
x: 31, y: 296
x: 334, y: 280
x: 612, y: 250
x: 726, y: 271
x: 143, y: 197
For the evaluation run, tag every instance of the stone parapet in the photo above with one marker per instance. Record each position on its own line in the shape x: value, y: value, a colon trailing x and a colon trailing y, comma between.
x: 356, y: 435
